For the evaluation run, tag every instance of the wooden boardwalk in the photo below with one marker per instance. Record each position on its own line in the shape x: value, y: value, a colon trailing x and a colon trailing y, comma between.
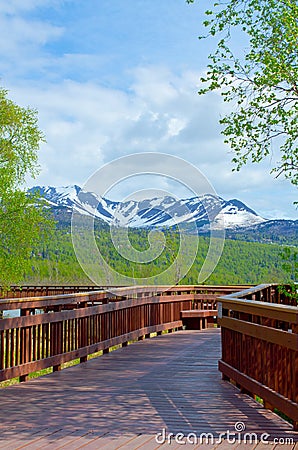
x: 123, y: 399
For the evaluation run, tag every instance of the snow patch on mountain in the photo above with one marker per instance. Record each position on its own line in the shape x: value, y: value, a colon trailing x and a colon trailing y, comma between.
x: 157, y: 212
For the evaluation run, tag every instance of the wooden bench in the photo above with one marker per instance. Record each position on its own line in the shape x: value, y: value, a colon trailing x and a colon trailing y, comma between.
x: 197, y: 319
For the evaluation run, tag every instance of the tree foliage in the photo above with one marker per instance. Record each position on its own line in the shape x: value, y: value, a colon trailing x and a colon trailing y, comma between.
x: 261, y: 83
x: 241, y: 262
x: 23, y: 221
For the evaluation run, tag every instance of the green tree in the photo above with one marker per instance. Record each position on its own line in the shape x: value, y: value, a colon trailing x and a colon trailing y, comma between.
x: 23, y: 220
x: 261, y: 83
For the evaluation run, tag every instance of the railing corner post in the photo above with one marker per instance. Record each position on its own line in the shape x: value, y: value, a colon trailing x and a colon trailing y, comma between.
x: 24, y: 378
x: 268, y: 405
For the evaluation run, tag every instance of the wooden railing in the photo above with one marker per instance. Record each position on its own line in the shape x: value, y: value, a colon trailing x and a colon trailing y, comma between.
x: 51, y: 330
x: 260, y: 346
x: 203, y: 292
x: 36, y: 291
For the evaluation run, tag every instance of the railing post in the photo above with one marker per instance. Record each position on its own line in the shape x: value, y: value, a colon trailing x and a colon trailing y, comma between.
x: 268, y: 405
x: 56, y: 338
x: 25, y: 344
x: 83, y: 359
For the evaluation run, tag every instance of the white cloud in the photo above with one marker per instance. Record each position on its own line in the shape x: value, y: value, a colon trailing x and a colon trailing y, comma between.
x: 156, y: 84
x: 87, y: 125
x: 17, y: 6
x: 175, y: 126
x: 20, y: 52
x: 23, y: 34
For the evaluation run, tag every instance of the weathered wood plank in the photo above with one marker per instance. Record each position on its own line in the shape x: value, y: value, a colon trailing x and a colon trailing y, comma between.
x: 198, y: 313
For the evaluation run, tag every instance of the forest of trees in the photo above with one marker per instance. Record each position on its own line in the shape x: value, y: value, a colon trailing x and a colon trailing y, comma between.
x: 241, y: 262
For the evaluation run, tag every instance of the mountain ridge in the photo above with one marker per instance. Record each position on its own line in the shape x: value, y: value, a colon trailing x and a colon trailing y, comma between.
x: 164, y: 212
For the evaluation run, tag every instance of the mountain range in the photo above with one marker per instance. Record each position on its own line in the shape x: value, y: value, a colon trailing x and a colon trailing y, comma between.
x: 166, y: 212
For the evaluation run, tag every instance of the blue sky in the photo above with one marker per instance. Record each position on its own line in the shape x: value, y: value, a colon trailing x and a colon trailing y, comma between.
x: 111, y: 78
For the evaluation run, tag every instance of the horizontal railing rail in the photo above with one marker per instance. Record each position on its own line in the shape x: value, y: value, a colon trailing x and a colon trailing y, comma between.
x: 269, y: 293
x: 33, y: 297
x: 259, y: 328
x: 37, y: 291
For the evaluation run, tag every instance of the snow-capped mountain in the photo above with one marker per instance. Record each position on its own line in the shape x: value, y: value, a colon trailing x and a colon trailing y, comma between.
x: 159, y: 212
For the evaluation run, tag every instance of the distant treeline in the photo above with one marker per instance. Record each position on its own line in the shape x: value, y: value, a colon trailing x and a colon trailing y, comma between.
x: 241, y: 262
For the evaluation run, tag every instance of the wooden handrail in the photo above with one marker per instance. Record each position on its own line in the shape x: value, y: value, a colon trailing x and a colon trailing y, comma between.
x: 52, y: 330
x: 260, y: 346
x: 39, y: 297
x: 34, y: 291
